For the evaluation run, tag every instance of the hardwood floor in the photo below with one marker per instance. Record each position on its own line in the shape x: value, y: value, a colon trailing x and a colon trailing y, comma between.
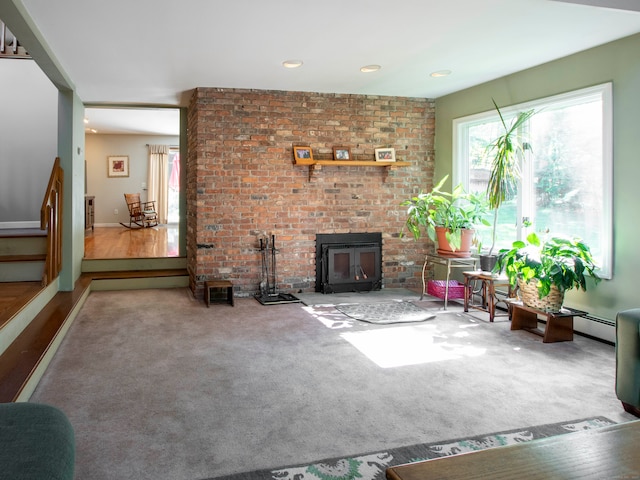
x: 14, y: 296
x: 121, y: 242
x: 101, y: 243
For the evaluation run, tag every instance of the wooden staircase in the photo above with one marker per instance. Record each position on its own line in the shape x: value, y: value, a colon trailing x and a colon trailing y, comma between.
x: 22, y: 254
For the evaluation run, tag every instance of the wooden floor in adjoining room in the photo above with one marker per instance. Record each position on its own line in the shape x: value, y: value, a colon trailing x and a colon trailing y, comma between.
x: 102, y: 242
x: 121, y: 242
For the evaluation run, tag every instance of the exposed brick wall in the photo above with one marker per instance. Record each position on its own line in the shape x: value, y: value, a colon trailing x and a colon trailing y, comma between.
x: 242, y: 183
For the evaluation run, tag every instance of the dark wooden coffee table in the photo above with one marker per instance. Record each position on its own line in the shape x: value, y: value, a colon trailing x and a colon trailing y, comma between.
x: 607, y: 452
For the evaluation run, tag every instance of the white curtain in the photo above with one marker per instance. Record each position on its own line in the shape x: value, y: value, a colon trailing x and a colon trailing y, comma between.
x: 158, y: 181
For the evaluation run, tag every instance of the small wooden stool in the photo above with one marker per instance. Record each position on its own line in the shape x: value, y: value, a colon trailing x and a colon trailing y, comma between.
x: 218, y: 284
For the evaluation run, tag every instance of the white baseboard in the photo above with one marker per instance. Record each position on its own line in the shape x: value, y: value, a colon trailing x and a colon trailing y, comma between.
x: 34, y: 224
x: 107, y: 225
x: 595, y: 329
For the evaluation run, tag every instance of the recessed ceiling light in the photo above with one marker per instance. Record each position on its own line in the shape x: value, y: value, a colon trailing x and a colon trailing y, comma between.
x: 370, y: 68
x: 86, y: 120
x: 292, y: 63
x: 441, y: 73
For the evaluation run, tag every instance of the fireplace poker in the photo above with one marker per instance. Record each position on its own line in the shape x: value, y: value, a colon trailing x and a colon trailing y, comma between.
x: 263, y: 282
x: 266, y: 265
x: 273, y: 264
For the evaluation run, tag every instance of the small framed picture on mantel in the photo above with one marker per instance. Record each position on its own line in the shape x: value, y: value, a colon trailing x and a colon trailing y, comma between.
x: 302, y: 153
x: 341, y: 153
x: 385, y: 154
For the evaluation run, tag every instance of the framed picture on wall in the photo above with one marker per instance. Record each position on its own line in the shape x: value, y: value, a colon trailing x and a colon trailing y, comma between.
x: 118, y: 166
x: 302, y: 153
x: 341, y: 153
x: 385, y: 154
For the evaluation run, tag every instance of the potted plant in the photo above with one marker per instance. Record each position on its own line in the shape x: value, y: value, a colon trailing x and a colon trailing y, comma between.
x: 504, y: 174
x: 544, y: 270
x: 448, y: 217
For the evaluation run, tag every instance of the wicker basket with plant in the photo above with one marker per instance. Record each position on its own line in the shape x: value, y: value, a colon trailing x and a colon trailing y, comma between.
x: 545, y: 270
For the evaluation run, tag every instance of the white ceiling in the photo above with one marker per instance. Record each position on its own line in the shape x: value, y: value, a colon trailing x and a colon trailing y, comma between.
x: 154, y: 52
x: 132, y: 121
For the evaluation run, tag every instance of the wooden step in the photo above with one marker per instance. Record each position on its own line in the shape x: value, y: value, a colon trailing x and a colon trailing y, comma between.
x: 171, y: 272
x: 21, y: 268
x: 14, y: 296
x: 19, y: 362
x: 12, y: 244
x: 24, y: 361
x: 22, y: 232
x: 35, y: 257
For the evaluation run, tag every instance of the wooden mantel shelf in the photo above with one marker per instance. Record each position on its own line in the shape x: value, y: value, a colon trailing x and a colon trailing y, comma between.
x: 313, y: 164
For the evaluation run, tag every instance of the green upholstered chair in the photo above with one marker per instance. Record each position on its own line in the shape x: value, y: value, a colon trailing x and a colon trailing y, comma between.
x: 36, y: 443
x: 628, y: 360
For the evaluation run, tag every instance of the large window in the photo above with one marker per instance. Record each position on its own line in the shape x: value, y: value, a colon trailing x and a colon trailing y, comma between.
x: 566, y: 184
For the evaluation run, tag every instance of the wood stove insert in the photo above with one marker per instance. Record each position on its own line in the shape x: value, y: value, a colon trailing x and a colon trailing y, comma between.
x: 348, y: 262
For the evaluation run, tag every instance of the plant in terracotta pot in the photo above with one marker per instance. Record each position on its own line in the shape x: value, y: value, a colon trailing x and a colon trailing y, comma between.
x: 505, y: 152
x: 544, y: 270
x: 451, y: 215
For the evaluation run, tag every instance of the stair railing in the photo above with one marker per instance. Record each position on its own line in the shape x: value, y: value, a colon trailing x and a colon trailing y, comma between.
x: 9, y: 45
x: 51, y: 221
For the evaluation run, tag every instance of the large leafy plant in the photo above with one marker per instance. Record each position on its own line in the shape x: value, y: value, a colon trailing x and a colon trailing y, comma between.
x: 505, y: 152
x: 563, y: 262
x: 455, y: 211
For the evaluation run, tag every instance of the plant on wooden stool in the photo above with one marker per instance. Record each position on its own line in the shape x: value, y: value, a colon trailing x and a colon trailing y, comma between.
x: 552, y: 266
x: 455, y: 211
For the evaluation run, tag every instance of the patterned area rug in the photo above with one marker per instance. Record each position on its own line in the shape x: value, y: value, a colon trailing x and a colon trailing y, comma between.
x: 372, y: 466
x: 385, y: 313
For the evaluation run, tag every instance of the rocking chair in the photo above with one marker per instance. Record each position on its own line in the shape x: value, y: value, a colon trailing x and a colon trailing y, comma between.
x: 141, y: 214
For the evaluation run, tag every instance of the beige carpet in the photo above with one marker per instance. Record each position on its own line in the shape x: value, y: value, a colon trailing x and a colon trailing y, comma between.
x: 157, y: 386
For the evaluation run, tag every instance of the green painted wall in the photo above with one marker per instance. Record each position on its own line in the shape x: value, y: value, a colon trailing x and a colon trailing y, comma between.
x: 71, y: 153
x: 617, y: 62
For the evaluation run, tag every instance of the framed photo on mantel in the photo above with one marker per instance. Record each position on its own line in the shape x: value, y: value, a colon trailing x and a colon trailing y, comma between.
x: 385, y: 154
x: 341, y: 153
x: 302, y: 153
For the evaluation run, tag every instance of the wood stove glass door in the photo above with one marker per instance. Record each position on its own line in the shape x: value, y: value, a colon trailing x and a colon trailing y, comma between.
x: 340, y: 265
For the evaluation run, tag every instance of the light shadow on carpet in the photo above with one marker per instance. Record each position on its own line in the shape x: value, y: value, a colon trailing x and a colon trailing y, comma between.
x: 372, y: 466
x: 386, y: 313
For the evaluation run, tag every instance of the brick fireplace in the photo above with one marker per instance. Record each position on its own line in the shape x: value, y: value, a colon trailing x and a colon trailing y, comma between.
x: 242, y: 184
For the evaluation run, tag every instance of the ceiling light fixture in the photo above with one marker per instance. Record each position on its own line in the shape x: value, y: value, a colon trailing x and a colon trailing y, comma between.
x: 292, y: 63
x: 370, y: 68
x: 441, y: 73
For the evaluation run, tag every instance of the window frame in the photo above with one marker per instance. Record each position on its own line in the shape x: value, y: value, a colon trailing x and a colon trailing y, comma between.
x: 460, y: 155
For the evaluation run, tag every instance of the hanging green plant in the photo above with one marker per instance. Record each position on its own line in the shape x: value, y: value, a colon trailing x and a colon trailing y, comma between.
x: 505, y: 150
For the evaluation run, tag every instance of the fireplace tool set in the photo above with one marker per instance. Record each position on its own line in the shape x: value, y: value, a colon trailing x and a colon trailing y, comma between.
x: 269, y: 294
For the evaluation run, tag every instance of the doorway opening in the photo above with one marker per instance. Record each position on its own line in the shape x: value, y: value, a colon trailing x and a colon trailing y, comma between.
x: 129, y: 132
